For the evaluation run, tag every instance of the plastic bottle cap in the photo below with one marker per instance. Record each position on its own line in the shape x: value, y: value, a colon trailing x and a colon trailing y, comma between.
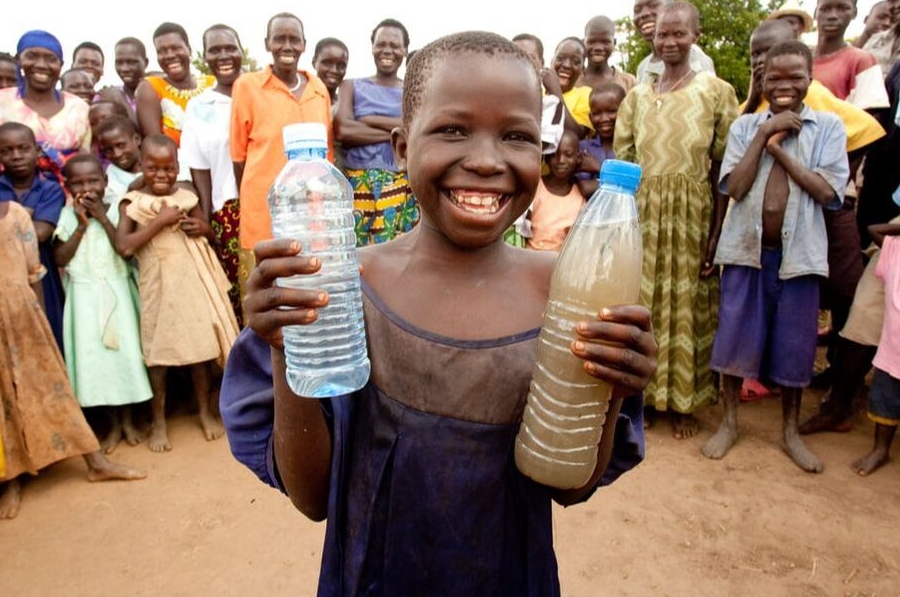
x: 620, y: 173
x: 304, y: 135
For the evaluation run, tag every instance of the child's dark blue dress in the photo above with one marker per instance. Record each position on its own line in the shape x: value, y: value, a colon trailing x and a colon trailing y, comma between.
x: 426, y: 498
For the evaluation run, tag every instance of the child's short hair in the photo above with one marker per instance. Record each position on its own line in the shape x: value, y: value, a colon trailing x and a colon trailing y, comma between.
x: 689, y: 9
x: 118, y: 108
x: 533, y: 39
x: 787, y: 48
x: 601, y: 22
x: 221, y: 27
x: 167, y: 27
x: 328, y: 41
x: 81, y: 158
x: 419, y: 69
x: 157, y: 141
x: 18, y: 127
x: 87, y: 45
x: 117, y: 123
x: 577, y: 40
x: 7, y: 57
x: 392, y: 23
x: 608, y: 87
x: 133, y: 41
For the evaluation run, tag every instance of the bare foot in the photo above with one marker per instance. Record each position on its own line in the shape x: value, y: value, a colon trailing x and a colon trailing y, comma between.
x: 11, y: 500
x: 719, y: 444
x: 212, y: 427
x: 132, y: 435
x: 101, y: 469
x: 794, y: 447
x: 684, y: 426
x: 871, y: 462
x: 112, y: 440
x: 159, y: 437
x: 826, y: 422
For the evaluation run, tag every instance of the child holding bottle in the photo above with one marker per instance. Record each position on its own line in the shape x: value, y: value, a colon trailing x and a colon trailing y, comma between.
x: 101, y: 329
x: 186, y: 318
x: 415, y: 472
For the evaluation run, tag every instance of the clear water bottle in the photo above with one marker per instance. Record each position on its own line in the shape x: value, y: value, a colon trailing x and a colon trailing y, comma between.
x: 312, y: 202
x: 599, y: 266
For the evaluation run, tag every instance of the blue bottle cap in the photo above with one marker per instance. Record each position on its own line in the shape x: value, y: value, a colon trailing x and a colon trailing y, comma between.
x: 304, y: 135
x: 620, y: 173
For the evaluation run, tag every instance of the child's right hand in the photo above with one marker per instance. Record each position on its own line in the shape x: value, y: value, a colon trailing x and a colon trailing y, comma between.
x: 786, y: 122
x: 169, y: 214
x: 268, y: 307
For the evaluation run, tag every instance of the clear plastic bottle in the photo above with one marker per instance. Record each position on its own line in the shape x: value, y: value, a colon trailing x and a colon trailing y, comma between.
x: 312, y: 202
x: 599, y: 266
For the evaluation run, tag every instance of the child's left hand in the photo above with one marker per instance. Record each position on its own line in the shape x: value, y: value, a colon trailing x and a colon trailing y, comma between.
x: 619, y: 347
x: 93, y: 205
x: 194, y: 226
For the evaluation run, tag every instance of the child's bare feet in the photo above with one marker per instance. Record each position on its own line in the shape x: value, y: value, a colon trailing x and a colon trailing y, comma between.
x: 159, y: 437
x: 11, y: 500
x: 684, y: 425
x: 132, y: 434
x: 212, y: 427
x: 871, y: 462
x: 719, y: 444
x: 794, y: 447
x: 112, y: 440
x: 824, y: 421
x: 101, y: 469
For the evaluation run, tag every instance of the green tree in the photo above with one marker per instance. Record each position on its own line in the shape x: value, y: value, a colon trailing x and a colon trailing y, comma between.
x: 726, y: 24
x: 248, y: 63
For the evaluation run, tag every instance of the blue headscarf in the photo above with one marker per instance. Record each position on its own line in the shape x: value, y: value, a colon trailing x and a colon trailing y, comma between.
x: 36, y: 39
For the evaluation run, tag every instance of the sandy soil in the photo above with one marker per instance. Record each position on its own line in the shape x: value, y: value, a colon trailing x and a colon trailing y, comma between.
x: 751, y: 524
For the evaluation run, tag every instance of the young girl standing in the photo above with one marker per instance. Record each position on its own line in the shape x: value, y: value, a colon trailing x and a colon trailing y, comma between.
x: 101, y: 331
x: 40, y: 421
x: 415, y: 472
x: 186, y: 318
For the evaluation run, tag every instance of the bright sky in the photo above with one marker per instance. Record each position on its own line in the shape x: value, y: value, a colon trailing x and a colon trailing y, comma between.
x: 108, y: 21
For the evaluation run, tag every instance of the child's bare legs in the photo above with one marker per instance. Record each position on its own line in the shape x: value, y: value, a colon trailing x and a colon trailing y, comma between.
x: 11, y: 499
x: 790, y: 441
x: 101, y: 469
x: 851, y: 364
x: 719, y: 444
x: 132, y: 434
x: 684, y: 425
x: 159, y: 436
x: 114, y: 436
x: 212, y: 427
x: 881, y: 451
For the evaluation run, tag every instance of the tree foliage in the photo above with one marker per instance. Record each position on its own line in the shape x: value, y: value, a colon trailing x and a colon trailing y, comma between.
x: 248, y: 63
x: 726, y: 28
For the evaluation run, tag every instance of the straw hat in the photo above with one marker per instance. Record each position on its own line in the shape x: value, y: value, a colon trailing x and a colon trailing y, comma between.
x: 792, y: 8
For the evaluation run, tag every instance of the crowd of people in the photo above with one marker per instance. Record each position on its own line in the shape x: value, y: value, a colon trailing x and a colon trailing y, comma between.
x: 137, y: 239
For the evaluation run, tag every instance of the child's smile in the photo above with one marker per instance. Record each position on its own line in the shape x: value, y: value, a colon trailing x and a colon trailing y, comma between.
x: 472, y: 149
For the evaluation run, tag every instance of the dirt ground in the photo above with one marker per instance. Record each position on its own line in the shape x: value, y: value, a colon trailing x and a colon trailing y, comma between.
x: 678, y: 525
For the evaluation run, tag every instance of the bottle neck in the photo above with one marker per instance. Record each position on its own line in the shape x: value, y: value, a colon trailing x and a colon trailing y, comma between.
x: 306, y: 153
x: 616, y: 188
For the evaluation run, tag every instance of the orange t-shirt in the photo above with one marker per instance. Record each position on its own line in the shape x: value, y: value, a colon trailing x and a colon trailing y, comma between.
x: 552, y: 217
x: 262, y: 105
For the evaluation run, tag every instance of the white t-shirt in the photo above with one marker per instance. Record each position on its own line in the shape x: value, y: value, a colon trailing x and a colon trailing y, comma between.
x: 204, y: 143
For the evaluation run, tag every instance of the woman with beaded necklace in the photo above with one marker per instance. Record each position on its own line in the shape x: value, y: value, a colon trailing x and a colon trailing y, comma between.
x: 161, y: 100
x: 676, y: 128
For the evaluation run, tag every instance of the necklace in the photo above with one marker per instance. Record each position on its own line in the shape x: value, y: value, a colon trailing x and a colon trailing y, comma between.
x: 297, y: 86
x: 672, y: 87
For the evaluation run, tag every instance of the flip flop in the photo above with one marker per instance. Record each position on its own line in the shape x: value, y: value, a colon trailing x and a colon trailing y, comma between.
x: 752, y: 390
